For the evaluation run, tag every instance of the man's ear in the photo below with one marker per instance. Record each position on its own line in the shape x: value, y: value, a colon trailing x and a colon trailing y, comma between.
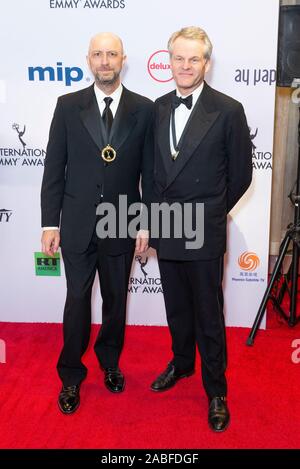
x: 207, y: 65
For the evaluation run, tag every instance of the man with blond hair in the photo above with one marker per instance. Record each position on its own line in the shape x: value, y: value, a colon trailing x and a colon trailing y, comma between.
x: 99, y: 146
x: 202, y: 156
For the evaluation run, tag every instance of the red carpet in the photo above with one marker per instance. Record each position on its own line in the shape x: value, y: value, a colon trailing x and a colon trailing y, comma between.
x: 264, y: 394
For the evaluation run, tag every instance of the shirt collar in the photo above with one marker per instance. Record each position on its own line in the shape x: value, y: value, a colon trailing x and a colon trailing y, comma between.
x: 196, y: 93
x: 116, y: 95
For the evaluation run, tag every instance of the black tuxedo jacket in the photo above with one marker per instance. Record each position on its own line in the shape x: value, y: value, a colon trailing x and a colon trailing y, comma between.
x: 76, y: 178
x: 214, y: 167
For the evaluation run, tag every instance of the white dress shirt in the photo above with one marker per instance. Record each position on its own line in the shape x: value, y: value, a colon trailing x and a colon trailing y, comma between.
x: 182, y: 114
x: 116, y: 96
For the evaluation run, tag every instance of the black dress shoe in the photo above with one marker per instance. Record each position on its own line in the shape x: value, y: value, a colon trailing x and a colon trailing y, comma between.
x: 114, y: 379
x: 218, y: 414
x: 69, y: 399
x: 169, y: 378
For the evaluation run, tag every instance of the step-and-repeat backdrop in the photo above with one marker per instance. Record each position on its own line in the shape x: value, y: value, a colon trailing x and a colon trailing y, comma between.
x: 43, y: 55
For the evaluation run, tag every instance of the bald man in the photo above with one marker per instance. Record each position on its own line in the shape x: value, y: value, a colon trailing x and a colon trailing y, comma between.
x: 100, y: 146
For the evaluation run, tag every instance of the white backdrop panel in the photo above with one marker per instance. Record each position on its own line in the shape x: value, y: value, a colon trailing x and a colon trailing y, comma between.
x: 55, y: 34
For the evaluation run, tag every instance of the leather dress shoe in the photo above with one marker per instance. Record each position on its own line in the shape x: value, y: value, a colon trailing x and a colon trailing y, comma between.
x: 114, y: 379
x: 218, y: 414
x: 169, y: 378
x: 69, y: 399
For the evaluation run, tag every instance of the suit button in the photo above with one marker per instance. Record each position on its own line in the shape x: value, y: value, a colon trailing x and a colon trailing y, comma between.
x: 197, y: 180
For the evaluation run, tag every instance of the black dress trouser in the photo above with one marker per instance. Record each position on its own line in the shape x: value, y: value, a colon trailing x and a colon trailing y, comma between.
x: 194, y: 306
x: 80, y: 269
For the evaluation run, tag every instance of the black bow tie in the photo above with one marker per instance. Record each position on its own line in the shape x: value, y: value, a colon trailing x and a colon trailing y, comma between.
x: 176, y: 101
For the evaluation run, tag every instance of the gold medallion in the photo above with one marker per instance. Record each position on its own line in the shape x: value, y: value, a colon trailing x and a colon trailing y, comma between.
x: 108, y: 154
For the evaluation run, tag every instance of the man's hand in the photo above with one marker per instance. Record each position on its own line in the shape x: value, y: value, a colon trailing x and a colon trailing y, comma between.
x: 141, y: 243
x: 50, y: 242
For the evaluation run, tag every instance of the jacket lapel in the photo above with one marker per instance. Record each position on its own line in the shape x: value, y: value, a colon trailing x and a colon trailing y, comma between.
x: 124, y: 120
x: 91, y: 118
x: 202, y: 119
x: 163, y: 132
x: 200, y: 123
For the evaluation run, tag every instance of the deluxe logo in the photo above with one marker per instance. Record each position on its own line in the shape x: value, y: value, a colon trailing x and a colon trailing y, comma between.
x: 58, y: 73
x: 47, y: 265
x: 248, y: 261
x: 159, y: 66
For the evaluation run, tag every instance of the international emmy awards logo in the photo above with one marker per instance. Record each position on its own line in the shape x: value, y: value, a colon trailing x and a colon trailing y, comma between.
x: 20, y: 133
x: 142, y: 263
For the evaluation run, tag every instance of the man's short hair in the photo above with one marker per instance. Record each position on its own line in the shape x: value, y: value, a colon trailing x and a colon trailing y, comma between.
x: 192, y: 32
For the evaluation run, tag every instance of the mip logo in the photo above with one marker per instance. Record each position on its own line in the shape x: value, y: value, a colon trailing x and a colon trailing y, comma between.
x: 58, y: 73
